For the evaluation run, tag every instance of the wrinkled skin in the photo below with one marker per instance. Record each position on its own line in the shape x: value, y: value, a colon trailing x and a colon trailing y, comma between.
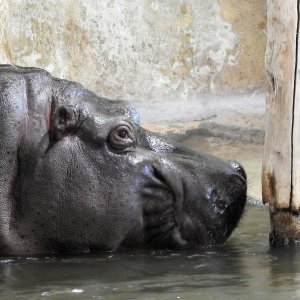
x: 78, y: 174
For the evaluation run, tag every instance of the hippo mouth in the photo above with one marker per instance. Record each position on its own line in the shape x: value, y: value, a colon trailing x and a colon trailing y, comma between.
x: 161, y: 204
x: 179, y: 216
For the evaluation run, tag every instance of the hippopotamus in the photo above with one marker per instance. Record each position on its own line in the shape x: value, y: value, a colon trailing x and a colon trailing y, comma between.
x: 79, y: 174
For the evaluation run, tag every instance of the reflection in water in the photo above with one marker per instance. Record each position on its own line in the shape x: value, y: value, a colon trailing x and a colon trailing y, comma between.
x: 285, y: 269
x: 122, y: 275
x: 244, y: 268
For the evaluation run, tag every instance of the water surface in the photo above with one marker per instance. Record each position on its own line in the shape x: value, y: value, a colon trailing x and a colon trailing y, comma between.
x: 244, y: 268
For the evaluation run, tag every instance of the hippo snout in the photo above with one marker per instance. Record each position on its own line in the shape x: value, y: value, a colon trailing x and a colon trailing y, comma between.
x: 214, y: 194
x: 191, y: 200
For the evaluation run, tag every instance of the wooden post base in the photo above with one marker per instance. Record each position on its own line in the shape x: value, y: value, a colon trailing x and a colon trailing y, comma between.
x: 285, y: 228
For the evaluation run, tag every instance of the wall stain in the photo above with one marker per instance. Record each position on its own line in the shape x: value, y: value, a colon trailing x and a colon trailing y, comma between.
x: 248, y: 19
x: 140, y: 50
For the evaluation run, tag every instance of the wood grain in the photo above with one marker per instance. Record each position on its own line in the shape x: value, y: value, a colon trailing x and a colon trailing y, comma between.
x: 280, y: 77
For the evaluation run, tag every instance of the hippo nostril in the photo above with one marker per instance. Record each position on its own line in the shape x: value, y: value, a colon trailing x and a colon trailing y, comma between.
x: 240, y: 181
x: 238, y: 168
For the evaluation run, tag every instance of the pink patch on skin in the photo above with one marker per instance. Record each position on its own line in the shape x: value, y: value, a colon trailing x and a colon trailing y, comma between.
x: 48, y: 115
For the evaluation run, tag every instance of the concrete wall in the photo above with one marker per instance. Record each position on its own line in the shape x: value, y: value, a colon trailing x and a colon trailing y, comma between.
x: 140, y: 49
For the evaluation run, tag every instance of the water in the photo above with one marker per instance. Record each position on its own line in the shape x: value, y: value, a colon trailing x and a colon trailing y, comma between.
x: 243, y: 268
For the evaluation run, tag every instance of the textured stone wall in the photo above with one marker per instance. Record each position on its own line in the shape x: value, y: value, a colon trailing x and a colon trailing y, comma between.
x: 140, y: 49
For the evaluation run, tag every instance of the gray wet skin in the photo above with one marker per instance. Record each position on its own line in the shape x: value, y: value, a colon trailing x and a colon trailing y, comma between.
x: 78, y: 174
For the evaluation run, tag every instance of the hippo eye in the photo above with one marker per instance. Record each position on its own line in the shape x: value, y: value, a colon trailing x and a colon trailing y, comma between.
x: 123, y: 134
x: 121, y: 137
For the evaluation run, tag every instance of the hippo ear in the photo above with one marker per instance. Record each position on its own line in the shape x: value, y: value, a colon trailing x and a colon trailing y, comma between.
x: 64, y: 120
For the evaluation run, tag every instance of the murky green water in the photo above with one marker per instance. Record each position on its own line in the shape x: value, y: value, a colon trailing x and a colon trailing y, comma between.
x: 244, y: 268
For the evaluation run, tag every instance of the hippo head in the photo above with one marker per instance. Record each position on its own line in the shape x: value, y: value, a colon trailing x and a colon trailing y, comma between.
x: 89, y: 178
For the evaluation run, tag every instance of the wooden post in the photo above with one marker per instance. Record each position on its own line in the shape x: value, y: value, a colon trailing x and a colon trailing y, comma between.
x: 281, y: 163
